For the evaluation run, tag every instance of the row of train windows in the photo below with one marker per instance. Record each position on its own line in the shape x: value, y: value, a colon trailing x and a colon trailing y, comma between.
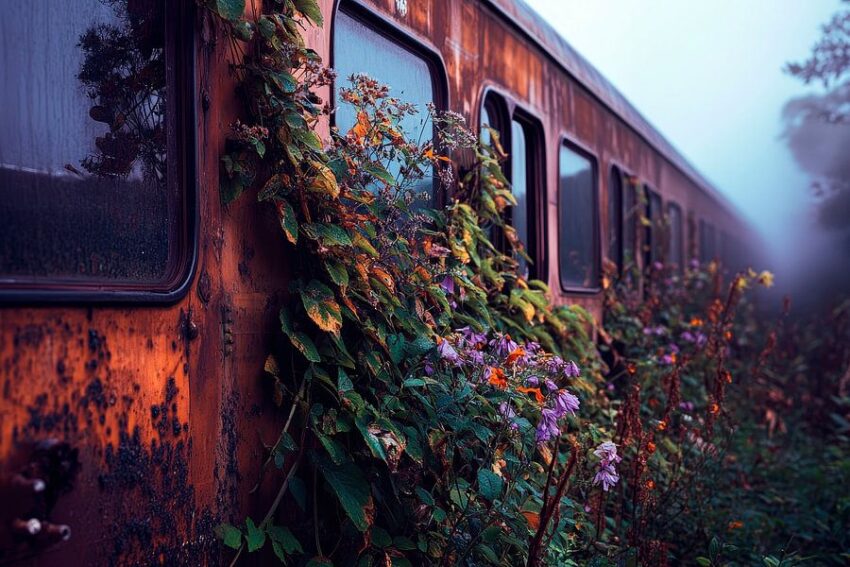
x: 96, y: 185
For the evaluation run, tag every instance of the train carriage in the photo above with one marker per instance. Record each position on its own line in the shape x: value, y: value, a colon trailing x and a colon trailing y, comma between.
x: 133, y: 417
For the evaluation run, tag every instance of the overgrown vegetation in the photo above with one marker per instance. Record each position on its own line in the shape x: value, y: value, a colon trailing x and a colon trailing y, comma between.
x: 439, y: 409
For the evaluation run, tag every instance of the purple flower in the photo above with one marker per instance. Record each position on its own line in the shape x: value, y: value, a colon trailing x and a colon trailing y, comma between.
x: 447, y: 352
x: 476, y: 357
x: 554, y: 364
x: 429, y: 368
x: 551, y: 386
x: 689, y: 337
x: 471, y: 337
x: 532, y: 347
x: 658, y: 266
x: 565, y: 403
x: 503, y: 345
x: 532, y: 381
x: 607, y: 475
x: 508, y: 413
x: 694, y: 263
x: 607, y: 451
x: 686, y: 406
x: 571, y: 370
x: 547, y: 428
x: 448, y: 284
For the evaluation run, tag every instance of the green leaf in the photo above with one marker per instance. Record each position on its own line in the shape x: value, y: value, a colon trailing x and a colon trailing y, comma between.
x: 267, y: 27
x: 288, y: 223
x: 229, y: 535
x: 380, y: 537
x: 371, y: 440
x: 404, y: 543
x: 298, y: 491
x: 337, y: 271
x: 298, y: 339
x: 413, y: 383
x: 230, y: 9
x: 328, y: 234
x: 351, y: 489
x: 703, y: 561
x: 489, y: 484
x: 310, y: 8
x: 377, y: 170
x: 284, y: 81
x: 396, y: 344
x: 255, y: 536
x: 343, y: 382
x: 322, y: 307
x: 424, y: 496
x: 284, y: 537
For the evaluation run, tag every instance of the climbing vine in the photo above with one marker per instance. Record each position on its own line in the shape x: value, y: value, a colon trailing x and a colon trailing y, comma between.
x: 439, y: 409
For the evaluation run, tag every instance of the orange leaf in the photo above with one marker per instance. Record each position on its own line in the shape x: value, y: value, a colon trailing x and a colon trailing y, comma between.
x: 533, y: 519
x: 538, y: 395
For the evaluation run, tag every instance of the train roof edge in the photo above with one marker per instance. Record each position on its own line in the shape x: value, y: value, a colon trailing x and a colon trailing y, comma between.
x: 532, y: 25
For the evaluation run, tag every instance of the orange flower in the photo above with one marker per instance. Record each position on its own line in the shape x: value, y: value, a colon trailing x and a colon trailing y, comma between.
x: 714, y: 409
x: 632, y: 368
x: 650, y: 447
x: 538, y: 395
x: 696, y: 322
x: 650, y: 484
x: 497, y: 378
x: 736, y: 525
x: 517, y: 353
x: 662, y: 425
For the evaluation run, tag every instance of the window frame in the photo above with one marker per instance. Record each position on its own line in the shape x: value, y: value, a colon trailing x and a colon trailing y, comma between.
x: 619, y: 209
x: 393, y: 32
x: 182, y: 35
x: 653, y: 234
x: 577, y: 147
x: 535, y: 167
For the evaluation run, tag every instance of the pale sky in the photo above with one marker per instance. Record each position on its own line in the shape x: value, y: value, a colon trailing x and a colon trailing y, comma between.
x: 708, y: 75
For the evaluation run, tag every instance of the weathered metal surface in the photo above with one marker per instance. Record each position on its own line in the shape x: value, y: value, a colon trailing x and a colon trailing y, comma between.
x: 164, y: 409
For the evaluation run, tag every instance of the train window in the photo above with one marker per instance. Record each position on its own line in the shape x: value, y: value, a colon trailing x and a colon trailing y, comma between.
x: 577, y: 223
x: 630, y: 222
x: 707, y: 242
x: 655, y: 228
x: 94, y: 184
x: 615, y: 218
x: 676, y: 250
x: 360, y: 49
x: 526, y: 175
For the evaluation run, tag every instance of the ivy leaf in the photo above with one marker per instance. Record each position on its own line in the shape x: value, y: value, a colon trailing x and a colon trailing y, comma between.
x: 325, y: 181
x: 298, y: 339
x: 230, y: 9
x: 343, y: 381
x: 308, y: 138
x: 287, y: 220
x: 351, y: 489
x: 337, y: 271
x: 255, y: 536
x: 298, y: 491
x: 284, y: 81
x: 489, y: 484
x: 283, y: 537
x: 231, y: 536
x: 396, y: 343
x: 377, y: 170
x: 424, y: 496
x: 321, y: 306
x: 328, y: 234
x: 310, y: 8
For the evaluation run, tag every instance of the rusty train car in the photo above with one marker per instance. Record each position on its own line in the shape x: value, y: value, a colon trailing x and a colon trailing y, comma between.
x: 136, y: 310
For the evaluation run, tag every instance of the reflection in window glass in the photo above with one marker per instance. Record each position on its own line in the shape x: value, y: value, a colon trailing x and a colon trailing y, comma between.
x: 615, y: 218
x: 358, y: 49
x: 87, y: 188
x: 677, y: 252
x: 519, y: 187
x: 577, y: 221
x: 655, y: 230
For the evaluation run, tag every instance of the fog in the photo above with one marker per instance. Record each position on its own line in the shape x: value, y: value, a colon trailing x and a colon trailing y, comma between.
x: 709, y: 75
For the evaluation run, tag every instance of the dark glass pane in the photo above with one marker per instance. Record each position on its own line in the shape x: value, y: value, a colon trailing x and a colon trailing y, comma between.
x: 707, y: 244
x: 655, y: 230
x: 630, y: 213
x: 677, y: 252
x: 87, y: 188
x: 358, y: 49
x: 576, y: 224
x: 519, y: 187
x: 615, y: 218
